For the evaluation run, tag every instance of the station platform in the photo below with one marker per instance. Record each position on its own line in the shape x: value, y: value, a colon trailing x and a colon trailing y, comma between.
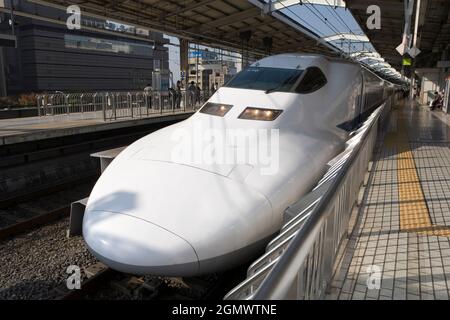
x: 36, y: 128
x: 399, y: 246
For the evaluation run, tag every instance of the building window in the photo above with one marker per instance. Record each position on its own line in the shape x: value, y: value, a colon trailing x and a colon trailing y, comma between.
x: 106, y: 45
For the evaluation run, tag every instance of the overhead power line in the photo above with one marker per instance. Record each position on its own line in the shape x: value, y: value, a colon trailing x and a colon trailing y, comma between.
x: 300, y: 18
x: 334, y: 12
x: 320, y: 16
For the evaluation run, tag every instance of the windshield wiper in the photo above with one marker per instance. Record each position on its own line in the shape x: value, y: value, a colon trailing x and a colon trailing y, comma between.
x: 280, y: 85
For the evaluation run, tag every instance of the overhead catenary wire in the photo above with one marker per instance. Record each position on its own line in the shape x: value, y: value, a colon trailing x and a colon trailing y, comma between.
x: 334, y: 12
x: 341, y: 21
x: 339, y: 18
x: 330, y: 25
x: 320, y: 16
x: 302, y: 20
x: 318, y: 32
x: 311, y: 7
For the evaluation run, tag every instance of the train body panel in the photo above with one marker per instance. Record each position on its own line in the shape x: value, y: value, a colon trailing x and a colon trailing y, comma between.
x: 201, y: 215
x: 223, y: 219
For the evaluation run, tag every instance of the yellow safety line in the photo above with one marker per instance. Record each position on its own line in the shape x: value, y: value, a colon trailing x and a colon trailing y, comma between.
x: 414, y: 214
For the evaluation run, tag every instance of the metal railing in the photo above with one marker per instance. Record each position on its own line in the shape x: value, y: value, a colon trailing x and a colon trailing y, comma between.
x: 118, y: 105
x: 299, y: 261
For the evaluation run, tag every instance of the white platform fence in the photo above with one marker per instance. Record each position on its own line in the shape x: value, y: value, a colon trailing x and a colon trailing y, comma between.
x: 117, y: 105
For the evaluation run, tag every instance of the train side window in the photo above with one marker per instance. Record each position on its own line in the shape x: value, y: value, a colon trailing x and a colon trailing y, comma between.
x: 313, y: 80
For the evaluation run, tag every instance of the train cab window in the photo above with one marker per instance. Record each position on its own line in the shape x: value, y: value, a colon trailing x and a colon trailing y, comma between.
x: 313, y: 80
x: 265, y: 78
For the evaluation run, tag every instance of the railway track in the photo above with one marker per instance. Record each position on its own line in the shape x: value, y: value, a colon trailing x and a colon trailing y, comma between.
x: 34, y: 251
x: 37, y: 212
x: 29, y: 167
x: 31, y: 172
x: 103, y: 283
x: 35, y: 151
x: 34, y: 216
x: 24, y: 213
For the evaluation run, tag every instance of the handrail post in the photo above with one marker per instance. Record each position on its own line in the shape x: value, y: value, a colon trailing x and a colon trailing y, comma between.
x: 81, y: 103
x: 174, y: 103
x: 139, y: 103
x: 52, y: 104
x: 103, y: 105
x: 146, y: 102
x: 38, y: 103
x: 130, y: 103
x: 66, y: 101
x: 114, y: 105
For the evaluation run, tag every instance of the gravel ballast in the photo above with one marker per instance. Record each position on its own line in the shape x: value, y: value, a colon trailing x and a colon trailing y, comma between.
x: 35, y: 263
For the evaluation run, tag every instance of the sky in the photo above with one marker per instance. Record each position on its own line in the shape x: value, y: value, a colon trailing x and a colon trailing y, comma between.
x: 338, y: 20
x: 323, y: 20
x: 174, y: 56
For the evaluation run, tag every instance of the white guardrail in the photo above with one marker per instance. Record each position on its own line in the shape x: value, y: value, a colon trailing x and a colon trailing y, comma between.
x: 299, y: 262
x: 117, y: 105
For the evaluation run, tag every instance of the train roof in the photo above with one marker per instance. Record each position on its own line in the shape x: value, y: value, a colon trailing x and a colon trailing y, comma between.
x: 299, y: 60
x: 296, y: 60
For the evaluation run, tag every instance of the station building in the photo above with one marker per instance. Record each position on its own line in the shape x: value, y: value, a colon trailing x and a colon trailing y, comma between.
x: 102, y: 55
x: 211, y: 69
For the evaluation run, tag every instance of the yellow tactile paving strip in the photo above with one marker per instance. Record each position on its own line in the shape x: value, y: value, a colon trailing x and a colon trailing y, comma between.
x: 414, y: 214
x: 411, y: 250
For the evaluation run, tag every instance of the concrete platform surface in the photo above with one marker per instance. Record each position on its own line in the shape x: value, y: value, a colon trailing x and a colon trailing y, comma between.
x: 400, y: 244
x: 36, y: 128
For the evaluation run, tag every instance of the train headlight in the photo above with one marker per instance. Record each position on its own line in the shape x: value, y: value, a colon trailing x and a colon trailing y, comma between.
x: 216, y: 109
x: 251, y: 113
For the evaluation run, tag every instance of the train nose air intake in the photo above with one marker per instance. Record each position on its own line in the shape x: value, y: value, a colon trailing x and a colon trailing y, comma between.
x: 148, y: 249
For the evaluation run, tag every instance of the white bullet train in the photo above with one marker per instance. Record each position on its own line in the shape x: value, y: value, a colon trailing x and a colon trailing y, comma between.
x: 153, y: 211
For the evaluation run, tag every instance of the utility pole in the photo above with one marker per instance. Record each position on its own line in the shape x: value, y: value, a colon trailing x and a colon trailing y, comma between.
x: 413, y: 66
x: 196, y: 65
x: 404, y: 47
x: 184, y: 59
x: 12, y: 17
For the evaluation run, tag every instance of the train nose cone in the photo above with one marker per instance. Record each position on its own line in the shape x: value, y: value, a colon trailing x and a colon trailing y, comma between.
x: 218, y: 216
x: 133, y: 245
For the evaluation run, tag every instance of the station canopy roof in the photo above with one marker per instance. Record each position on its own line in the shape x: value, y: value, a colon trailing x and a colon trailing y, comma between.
x: 261, y: 27
x: 433, y: 31
x: 219, y: 23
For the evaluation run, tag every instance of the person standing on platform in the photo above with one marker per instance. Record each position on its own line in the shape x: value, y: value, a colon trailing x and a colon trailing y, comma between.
x: 192, y: 89
x: 148, y: 92
x: 213, y: 88
x: 172, y: 97
x: 178, y: 94
x: 198, y: 93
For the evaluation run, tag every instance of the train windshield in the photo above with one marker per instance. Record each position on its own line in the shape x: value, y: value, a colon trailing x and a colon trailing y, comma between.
x: 267, y: 79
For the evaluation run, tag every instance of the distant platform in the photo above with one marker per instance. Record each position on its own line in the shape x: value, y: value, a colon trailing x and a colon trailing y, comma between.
x: 36, y: 128
x: 400, y: 245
